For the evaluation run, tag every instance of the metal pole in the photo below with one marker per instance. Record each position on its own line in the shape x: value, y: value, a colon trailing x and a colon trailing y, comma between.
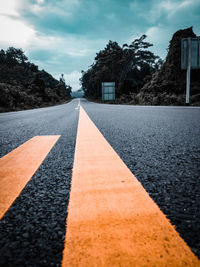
x: 188, y: 71
x: 102, y: 86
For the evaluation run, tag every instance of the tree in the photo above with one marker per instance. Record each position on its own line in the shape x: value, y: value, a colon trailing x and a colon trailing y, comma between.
x: 105, y: 68
x: 2, y: 56
x: 62, y: 79
x: 16, y: 55
x: 63, y: 89
x: 69, y: 89
x: 129, y: 64
x: 39, y: 82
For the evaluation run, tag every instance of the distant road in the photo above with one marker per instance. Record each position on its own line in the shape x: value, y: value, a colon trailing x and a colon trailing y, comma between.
x: 160, y: 145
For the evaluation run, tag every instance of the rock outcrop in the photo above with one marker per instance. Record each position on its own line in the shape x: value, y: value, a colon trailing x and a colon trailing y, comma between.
x: 168, y: 85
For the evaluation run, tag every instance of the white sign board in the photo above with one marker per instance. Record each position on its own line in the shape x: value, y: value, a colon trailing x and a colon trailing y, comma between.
x: 108, y: 91
x: 190, y: 46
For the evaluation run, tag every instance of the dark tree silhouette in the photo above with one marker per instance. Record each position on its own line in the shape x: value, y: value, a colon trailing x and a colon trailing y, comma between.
x: 16, y: 55
x: 23, y: 85
x: 62, y: 87
x: 127, y: 66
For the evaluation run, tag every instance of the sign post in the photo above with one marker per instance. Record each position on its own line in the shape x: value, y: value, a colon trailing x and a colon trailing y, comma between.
x: 190, y: 59
x: 188, y: 72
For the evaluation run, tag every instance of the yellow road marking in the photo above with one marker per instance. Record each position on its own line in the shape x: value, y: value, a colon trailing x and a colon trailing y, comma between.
x: 112, y: 221
x: 18, y: 166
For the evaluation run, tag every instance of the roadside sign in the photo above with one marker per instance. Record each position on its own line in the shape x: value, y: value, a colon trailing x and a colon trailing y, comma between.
x: 190, y: 59
x: 190, y: 46
x: 108, y: 91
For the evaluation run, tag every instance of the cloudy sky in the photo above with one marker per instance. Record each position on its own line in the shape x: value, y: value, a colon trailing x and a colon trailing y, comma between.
x: 63, y: 36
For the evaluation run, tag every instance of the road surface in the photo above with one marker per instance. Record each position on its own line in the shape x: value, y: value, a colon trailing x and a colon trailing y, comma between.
x: 160, y: 145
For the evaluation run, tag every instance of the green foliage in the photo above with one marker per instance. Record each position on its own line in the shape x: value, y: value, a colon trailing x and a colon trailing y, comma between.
x: 63, y: 87
x: 23, y: 86
x: 13, y: 57
x: 17, y: 55
x: 127, y: 66
x: 16, y: 69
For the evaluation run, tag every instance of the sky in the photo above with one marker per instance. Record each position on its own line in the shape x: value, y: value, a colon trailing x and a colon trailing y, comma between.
x: 63, y: 36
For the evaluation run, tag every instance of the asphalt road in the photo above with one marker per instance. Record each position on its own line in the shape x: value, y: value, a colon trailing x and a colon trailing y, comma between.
x: 160, y: 145
x: 33, y: 230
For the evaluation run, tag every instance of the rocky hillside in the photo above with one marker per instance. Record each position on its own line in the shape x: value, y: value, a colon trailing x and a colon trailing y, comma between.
x: 23, y: 86
x: 168, y: 85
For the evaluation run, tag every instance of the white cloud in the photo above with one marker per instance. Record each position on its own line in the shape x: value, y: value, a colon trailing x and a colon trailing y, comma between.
x: 15, y: 32
x: 63, y: 8
x: 187, y: 3
x: 159, y: 36
x: 175, y: 6
x: 71, y: 46
x: 159, y: 10
x: 72, y: 79
x: 40, y: 1
x: 169, y: 5
x: 77, y: 52
x: 37, y: 8
x: 8, y: 8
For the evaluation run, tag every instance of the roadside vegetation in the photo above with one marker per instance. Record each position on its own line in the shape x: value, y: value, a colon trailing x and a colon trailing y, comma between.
x: 128, y: 66
x: 140, y: 76
x: 23, y: 86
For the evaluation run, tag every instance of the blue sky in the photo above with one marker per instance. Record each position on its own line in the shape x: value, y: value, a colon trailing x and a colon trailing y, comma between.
x: 63, y: 36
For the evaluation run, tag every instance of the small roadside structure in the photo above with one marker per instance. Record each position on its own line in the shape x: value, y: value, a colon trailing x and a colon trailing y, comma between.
x: 108, y: 91
x: 190, y: 59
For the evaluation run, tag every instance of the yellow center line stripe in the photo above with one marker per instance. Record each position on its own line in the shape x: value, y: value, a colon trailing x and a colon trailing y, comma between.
x: 112, y: 221
x: 18, y: 166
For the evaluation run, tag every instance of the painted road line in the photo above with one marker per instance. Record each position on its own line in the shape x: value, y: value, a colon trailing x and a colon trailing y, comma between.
x: 112, y: 221
x: 18, y: 166
x: 78, y: 104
